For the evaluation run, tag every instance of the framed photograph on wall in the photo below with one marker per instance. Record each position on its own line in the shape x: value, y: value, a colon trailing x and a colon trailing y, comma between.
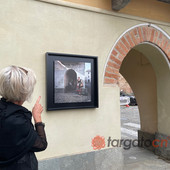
x: 71, y: 81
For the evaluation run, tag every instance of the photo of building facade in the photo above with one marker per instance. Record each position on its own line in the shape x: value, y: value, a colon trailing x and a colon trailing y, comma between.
x: 72, y: 82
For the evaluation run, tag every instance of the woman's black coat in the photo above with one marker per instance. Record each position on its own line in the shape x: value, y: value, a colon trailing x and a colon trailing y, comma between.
x: 17, y: 138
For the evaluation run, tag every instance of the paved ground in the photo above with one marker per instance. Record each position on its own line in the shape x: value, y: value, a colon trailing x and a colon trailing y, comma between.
x: 130, y: 122
x: 137, y: 158
x: 71, y: 97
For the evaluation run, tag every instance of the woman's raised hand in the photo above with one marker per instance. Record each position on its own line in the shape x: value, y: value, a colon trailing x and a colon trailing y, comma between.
x: 37, y: 110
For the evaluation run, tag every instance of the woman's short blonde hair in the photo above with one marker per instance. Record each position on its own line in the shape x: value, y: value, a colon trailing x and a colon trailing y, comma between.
x: 17, y: 83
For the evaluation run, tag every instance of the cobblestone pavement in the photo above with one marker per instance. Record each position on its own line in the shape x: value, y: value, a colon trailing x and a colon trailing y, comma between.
x: 70, y: 97
x: 137, y: 158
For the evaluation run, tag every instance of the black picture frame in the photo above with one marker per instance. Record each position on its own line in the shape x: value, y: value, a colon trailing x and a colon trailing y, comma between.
x: 71, y: 81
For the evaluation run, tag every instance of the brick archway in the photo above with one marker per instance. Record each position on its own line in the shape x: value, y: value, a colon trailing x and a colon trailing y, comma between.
x: 128, y: 40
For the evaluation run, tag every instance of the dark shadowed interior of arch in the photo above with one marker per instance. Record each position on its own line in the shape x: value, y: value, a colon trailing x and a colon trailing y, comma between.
x: 70, y: 80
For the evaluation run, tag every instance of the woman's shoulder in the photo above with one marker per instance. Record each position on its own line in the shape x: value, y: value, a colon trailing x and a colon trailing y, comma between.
x: 14, y: 118
x: 10, y: 109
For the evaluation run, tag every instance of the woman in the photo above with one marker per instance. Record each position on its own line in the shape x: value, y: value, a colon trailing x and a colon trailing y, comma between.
x: 79, y: 85
x: 18, y: 138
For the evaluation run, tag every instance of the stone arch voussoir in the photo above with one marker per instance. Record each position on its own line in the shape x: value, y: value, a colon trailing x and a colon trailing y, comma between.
x: 128, y: 40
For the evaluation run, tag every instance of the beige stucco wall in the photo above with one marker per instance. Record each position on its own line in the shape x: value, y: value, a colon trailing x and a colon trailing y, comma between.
x: 31, y: 28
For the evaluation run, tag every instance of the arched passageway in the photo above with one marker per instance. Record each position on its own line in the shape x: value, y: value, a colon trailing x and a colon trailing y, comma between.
x: 142, y: 55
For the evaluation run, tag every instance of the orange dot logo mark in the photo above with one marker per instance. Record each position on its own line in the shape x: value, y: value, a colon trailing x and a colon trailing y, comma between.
x: 98, y: 142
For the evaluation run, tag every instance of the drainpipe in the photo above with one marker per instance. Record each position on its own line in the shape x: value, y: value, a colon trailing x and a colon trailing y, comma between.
x: 119, y: 4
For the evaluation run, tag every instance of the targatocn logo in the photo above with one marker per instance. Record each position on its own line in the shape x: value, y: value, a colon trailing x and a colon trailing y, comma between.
x: 98, y: 142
